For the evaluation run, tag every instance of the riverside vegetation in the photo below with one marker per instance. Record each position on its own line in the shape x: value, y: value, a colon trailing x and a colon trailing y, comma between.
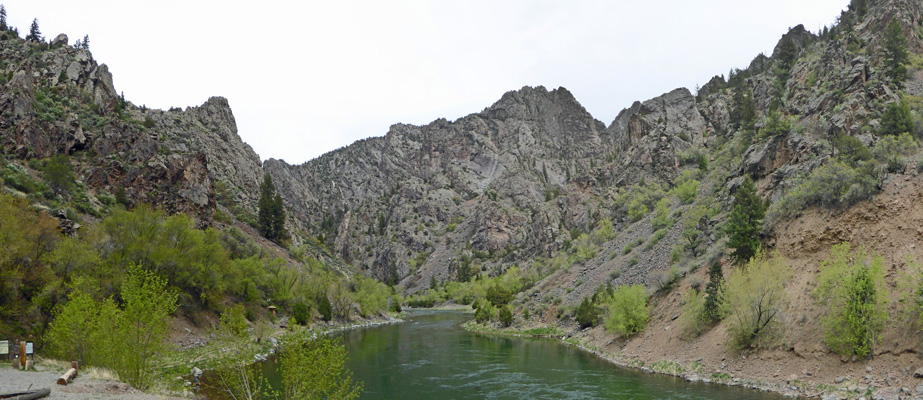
x: 567, y: 228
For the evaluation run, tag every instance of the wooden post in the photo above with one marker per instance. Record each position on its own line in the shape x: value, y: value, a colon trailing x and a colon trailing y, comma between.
x: 75, y: 365
x: 22, y: 354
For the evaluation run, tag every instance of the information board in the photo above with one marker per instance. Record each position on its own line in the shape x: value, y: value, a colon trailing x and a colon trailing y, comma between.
x: 4, y: 347
x: 29, y: 348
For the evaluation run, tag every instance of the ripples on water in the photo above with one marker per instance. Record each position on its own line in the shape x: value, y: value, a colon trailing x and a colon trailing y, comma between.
x: 432, y: 357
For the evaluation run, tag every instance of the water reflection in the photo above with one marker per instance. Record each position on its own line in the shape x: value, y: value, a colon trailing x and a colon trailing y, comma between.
x: 431, y: 357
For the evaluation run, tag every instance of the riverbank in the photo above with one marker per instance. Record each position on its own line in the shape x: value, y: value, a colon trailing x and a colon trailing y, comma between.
x: 91, y: 383
x: 694, y: 371
x: 770, y: 371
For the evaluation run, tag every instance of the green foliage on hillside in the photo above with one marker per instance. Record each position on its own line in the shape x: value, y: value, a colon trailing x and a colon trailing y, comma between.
x: 628, y: 310
x: 271, y: 215
x: 41, y: 269
x: 756, y: 300
x: 126, y: 339
x: 587, y: 313
x: 852, y: 286
x: 897, y: 119
x: 856, y: 174
x: 895, y: 54
x: 745, y: 222
x: 314, y: 367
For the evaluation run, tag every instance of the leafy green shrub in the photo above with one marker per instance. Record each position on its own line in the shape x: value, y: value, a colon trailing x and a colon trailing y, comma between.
x: 637, y: 210
x: 661, y: 218
x: 775, y: 125
x: 896, y: 120
x: 585, y: 248
x: 628, y: 310
x: 15, y: 176
x: 655, y: 238
x: 482, y: 315
x: 301, y: 312
x: 59, y: 175
x: 687, y: 186
x: 395, y: 304
x: 314, y: 367
x: 233, y: 321
x: 587, y: 313
x: 851, y: 150
x: 694, y: 320
x: 505, y: 316
x: 852, y: 285
x: 498, y: 295
x: 756, y: 299
x: 324, y: 307
x: 892, y: 151
x: 80, y: 329
x: 421, y: 302
x: 833, y: 185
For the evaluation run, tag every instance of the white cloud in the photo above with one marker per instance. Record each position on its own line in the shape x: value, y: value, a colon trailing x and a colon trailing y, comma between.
x: 304, y: 78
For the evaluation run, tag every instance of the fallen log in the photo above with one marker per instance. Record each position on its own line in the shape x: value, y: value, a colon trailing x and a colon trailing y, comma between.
x: 67, y: 377
x: 27, y: 395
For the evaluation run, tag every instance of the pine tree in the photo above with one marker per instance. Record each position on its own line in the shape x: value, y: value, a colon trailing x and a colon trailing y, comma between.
x: 714, y: 291
x: 746, y: 222
x: 743, y: 111
x: 3, y: 26
x: 896, y: 55
x: 271, y: 215
x: 860, y: 7
x: 35, y: 35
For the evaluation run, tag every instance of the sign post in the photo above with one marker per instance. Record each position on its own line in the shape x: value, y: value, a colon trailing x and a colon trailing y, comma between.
x: 22, y: 355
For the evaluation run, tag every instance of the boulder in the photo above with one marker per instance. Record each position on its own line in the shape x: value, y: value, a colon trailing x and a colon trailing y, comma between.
x: 60, y: 40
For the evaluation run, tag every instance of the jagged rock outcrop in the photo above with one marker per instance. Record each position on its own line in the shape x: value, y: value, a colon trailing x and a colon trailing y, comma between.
x: 60, y: 101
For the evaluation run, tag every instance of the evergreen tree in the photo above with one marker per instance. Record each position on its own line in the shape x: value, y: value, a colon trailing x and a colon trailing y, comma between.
x: 896, y: 120
x: 788, y: 53
x: 35, y: 35
x: 587, y: 313
x: 860, y: 7
x: 743, y: 111
x: 3, y: 26
x: 714, y: 291
x: 896, y: 55
x: 746, y: 222
x: 271, y: 216
x: 83, y: 44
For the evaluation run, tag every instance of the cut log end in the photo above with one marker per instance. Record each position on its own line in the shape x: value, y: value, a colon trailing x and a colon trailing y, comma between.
x: 67, y: 377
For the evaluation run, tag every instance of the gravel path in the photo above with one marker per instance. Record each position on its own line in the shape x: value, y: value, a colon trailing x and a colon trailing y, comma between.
x: 12, y: 380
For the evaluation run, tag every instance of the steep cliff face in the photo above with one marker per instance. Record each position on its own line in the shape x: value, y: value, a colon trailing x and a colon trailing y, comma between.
x: 514, y: 183
x: 489, y: 175
x: 58, y: 100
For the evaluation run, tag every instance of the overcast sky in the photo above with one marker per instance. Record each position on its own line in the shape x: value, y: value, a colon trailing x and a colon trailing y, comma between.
x: 304, y: 78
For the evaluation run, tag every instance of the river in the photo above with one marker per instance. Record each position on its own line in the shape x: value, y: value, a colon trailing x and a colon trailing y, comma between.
x: 430, y: 356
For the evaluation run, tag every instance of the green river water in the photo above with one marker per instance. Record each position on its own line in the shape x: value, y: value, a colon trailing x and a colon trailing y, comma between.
x: 430, y: 356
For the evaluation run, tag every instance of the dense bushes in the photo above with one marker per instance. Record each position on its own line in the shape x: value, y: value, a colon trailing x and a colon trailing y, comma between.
x: 126, y: 339
x: 855, y: 175
x: 628, y: 310
x: 852, y: 286
x: 301, y: 312
x: 587, y: 313
x: 314, y: 367
x: 756, y: 300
